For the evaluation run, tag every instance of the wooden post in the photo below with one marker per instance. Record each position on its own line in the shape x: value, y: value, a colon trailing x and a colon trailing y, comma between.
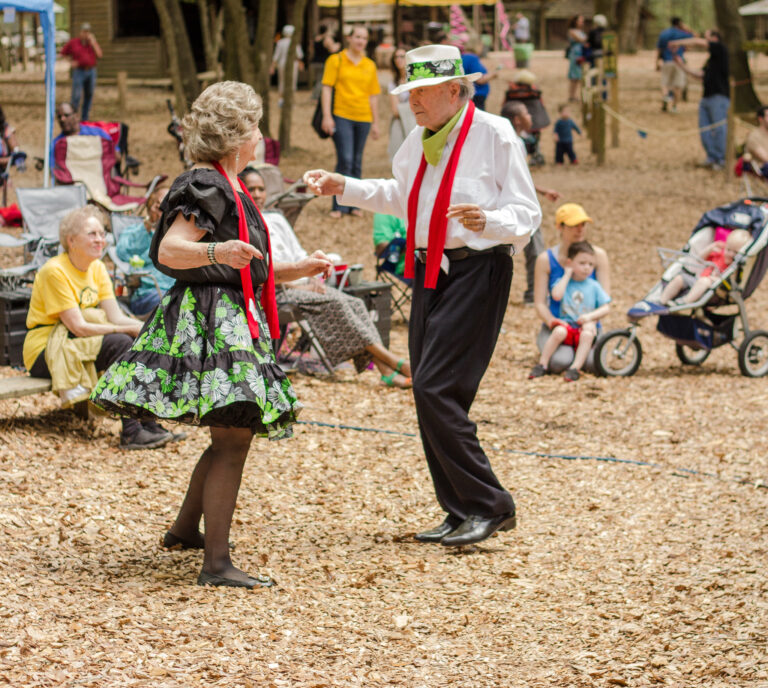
x: 613, y: 100
x: 23, y: 41
x: 122, y: 94
x: 595, y: 103
x: 599, y: 139
x: 476, y: 20
x: 730, y: 136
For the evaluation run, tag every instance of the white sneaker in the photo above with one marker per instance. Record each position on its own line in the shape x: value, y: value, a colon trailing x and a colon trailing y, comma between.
x: 70, y: 397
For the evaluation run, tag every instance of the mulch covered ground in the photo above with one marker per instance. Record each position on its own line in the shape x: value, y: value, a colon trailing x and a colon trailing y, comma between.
x: 640, y: 562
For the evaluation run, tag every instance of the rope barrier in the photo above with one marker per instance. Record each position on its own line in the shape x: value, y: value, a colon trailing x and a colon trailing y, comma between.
x: 566, y: 457
x: 644, y: 131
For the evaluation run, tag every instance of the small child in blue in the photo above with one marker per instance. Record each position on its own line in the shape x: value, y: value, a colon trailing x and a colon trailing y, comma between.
x: 582, y: 303
x: 564, y: 136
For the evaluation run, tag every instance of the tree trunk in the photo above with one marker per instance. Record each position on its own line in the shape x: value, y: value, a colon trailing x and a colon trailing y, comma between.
x: 628, y: 20
x: 166, y: 26
x: 187, y: 67
x: 286, y: 113
x: 207, y: 33
x: 732, y: 30
x: 237, y: 33
x: 263, y: 47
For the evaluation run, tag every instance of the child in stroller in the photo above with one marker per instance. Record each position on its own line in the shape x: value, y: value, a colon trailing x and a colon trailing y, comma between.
x: 715, y: 313
x: 522, y: 90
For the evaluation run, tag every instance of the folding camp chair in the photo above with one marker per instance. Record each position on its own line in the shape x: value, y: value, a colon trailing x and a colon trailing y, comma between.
x: 287, y: 197
x: 42, y: 211
x: 125, y: 277
x: 90, y: 160
x: 118, y: 132
x: 386, y: 270
x: 288, y: 314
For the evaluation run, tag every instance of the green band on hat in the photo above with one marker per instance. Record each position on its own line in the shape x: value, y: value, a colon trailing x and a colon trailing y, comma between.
x: 430, y: 70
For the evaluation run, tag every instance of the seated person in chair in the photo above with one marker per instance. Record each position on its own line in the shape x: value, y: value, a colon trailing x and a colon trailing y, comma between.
x: 135, y: 241
x: 73, y: 290
x: 386, y: 228
x: 340, y: 321
x: 69, y: 122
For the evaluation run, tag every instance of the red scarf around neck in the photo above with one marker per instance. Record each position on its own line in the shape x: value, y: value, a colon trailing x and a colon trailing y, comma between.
x: 438, y: 222
x: 268, y: 300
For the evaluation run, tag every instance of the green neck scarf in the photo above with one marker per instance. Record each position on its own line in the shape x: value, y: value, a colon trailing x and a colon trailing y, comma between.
x: 435, y: 142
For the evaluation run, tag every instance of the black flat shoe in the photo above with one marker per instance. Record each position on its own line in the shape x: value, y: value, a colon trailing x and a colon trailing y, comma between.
x: 437, y: 533
x: 477, y: 528
x: 220, y: 581
x: 174, y: 542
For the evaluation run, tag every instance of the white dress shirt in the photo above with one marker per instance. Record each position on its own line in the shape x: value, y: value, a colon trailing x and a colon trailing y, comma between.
x: 492, y: 173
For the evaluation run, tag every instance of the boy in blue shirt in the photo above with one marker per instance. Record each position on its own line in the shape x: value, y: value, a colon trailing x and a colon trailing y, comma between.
x: 564, y: 136
x: 583, y: 303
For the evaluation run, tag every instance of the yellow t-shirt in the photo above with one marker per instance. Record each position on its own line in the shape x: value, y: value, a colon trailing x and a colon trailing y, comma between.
x: 354, y: 84
x: 59, y: 286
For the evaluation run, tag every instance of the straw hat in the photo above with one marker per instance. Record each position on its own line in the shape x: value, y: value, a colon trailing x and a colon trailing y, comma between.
x: 431, y: 65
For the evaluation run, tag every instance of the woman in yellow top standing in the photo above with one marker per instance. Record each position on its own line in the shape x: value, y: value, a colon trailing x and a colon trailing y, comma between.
x: 350, y: 100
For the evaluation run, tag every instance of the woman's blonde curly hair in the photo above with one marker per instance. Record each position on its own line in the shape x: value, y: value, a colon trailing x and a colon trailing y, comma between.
x: 222, y: 118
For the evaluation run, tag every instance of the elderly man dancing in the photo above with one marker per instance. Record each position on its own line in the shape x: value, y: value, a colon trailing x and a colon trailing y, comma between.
x: 461, y: 180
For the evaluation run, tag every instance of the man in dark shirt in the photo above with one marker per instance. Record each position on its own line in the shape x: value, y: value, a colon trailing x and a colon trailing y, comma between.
x: 713, y: 107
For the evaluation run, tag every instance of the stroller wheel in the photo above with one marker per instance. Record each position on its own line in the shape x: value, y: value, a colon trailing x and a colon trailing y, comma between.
x: 753, y: 354
x: 689, y: 356
x: 618, y: 354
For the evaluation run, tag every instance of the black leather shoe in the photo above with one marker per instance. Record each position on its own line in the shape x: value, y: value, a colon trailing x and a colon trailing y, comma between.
x: 439, y: 532
x: 220, y: 581
x: 477, y: 528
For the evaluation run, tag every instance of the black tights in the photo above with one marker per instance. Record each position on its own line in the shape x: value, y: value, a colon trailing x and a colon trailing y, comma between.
x: 212, y: 494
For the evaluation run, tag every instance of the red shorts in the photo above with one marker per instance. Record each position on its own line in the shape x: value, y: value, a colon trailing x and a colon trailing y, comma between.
x: 572, y: 337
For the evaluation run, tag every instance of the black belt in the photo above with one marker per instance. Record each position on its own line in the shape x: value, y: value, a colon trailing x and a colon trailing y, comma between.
x: 461, y: 253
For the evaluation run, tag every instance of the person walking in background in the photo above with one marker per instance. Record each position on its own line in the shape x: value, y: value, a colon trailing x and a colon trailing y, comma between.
x: 673, y: 79
x: 279, y: 58
x: 325, y: 45
x: 402, y: 117
x: 564, y: 128
x: 462, y: 181
x: 716, y: 98
x: 575, y: 54
x: 83, y: 52
x: 473, y: 64
x: 522, y: 28
x: 521, y: 121
x: 350, y: 102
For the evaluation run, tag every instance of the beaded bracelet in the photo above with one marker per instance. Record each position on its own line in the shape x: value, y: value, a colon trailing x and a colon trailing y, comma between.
x: 212, y: 253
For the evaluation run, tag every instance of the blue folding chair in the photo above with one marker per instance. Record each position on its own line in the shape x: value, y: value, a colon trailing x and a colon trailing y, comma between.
x: 386, y: 270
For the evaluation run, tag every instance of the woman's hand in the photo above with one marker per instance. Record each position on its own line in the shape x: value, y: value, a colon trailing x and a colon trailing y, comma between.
x: 324, y: 183
x: 471, y: 216
x: 237, y: 254
x: 316, y: 264
x: 328, y: 126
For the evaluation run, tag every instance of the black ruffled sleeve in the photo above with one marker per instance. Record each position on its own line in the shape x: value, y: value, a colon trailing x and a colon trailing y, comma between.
x: 203, y: 196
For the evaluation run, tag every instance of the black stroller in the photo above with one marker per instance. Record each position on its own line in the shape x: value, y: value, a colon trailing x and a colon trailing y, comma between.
x: 530, y: 96
x: 719, y: 316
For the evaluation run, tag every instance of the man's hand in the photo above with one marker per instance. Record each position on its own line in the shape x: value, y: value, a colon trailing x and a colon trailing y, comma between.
x: 549, y: 194
x: 237, y: 254
x: 324, y: 183
x: 471, y: 216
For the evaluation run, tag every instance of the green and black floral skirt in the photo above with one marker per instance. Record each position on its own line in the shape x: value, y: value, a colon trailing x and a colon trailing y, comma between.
x: 196, y: 363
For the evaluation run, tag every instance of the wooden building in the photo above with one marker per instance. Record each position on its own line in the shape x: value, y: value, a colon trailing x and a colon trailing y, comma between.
x: 128, y: 32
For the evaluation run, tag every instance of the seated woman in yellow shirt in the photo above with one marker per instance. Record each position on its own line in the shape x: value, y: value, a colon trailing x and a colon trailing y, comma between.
x: 67, y: 289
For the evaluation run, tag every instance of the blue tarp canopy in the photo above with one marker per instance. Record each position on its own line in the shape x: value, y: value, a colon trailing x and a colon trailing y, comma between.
x: 45, y: 9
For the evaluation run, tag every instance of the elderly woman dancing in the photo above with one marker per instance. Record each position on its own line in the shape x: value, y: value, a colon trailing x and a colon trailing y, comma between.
x: 205, y: 356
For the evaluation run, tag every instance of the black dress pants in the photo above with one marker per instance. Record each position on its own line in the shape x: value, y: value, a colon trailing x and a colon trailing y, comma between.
x: 452, y: 334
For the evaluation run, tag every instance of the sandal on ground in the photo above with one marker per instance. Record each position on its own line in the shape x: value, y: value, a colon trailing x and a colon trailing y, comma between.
x: 174, y: 543
x: 389, y: 380
x: 571, y: 375
x: 537, y: 371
